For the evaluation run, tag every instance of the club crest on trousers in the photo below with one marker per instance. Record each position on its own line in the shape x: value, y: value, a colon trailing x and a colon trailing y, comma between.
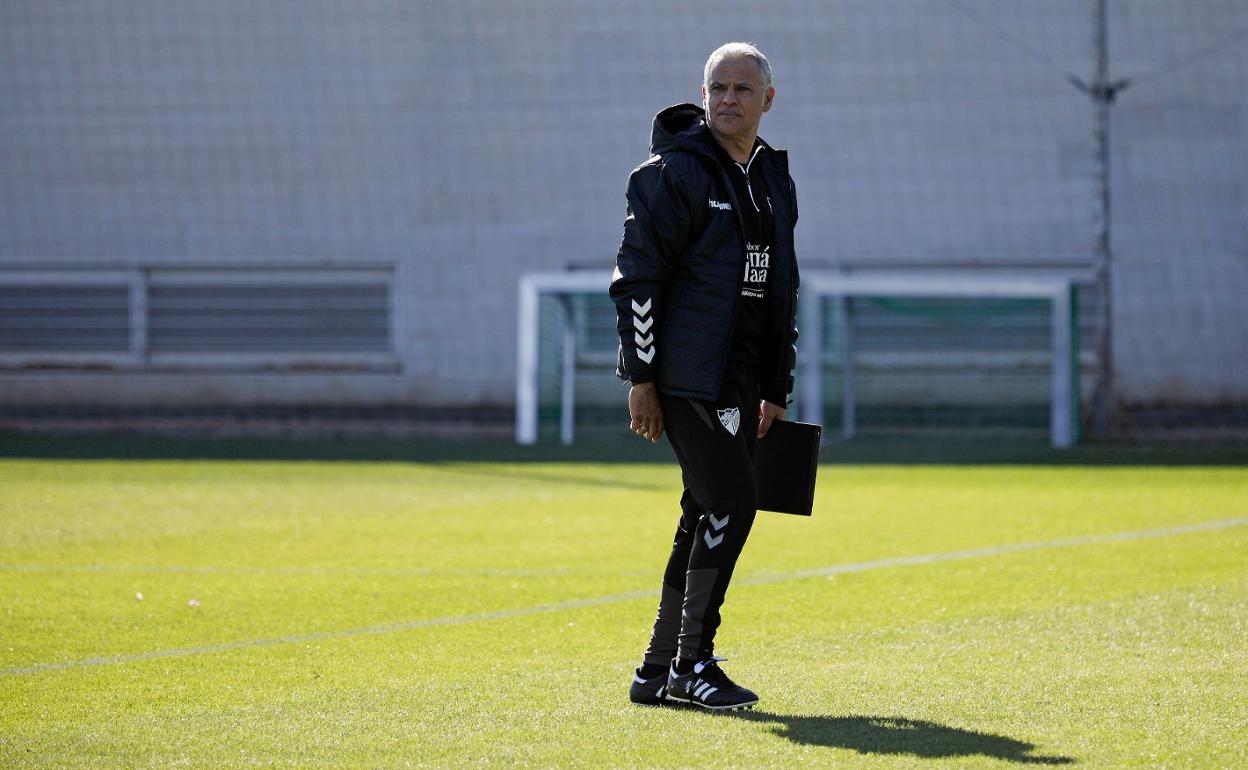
x: 730, y: 418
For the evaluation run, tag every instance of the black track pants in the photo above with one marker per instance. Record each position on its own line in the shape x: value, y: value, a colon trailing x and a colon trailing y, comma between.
x: 714, y: 443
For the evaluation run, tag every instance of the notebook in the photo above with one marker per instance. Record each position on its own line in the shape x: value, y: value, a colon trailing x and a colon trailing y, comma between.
x: 785, y: 462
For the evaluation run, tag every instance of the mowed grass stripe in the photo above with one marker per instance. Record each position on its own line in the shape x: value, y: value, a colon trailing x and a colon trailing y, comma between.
x: 900, y: 561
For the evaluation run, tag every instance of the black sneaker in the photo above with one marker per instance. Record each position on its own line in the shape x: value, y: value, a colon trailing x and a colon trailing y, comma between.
x: 647, y: 692
x: 709, y: 687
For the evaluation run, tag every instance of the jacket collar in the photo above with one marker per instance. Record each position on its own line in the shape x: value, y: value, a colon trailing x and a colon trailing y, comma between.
x: 683, y: 126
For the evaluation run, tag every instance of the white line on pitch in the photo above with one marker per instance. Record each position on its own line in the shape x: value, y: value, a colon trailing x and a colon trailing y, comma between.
x: 1000, y: 550
x: 455, y: 620
x: 334, y: 572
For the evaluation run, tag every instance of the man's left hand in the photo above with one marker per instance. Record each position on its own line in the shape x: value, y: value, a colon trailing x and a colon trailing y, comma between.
x: 767, y: 412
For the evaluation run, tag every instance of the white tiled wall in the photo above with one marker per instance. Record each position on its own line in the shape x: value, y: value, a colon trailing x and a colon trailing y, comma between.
x: 471, y: 141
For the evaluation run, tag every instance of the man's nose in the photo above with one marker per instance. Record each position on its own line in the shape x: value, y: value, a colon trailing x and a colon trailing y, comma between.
x: 730, y: 94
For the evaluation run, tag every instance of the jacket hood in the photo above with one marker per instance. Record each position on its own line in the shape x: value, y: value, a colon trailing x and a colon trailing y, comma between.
x: 677, y: 125
x: 684, y: 125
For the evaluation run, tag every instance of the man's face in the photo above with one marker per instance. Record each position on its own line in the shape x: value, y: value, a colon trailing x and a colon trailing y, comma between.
x: 734, y: 97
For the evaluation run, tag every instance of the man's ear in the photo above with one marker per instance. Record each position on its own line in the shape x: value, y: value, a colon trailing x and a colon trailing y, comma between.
x: 771, y: 94
x: 704, y: 104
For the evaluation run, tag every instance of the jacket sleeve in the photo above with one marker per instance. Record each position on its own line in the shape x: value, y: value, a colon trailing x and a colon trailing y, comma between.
x: 655, y: 232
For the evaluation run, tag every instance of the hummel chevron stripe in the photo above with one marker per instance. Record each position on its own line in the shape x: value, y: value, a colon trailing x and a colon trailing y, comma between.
x: 717, y: 525
x: 645, y: 345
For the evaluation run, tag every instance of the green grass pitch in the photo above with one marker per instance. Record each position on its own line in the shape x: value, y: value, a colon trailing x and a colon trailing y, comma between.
x: 417, y: 612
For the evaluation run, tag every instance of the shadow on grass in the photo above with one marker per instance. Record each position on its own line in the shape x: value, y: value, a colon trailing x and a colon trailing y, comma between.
x: 898, y: 735
x: 132, y: 446
x: 610, y: 449
x: 494, y: 471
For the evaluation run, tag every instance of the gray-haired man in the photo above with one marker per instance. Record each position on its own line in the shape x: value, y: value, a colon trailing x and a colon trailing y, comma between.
x: 705, y: 288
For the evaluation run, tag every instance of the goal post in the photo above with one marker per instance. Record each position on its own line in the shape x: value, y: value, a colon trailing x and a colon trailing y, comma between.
x: 830, y: 305
x: 533, y: 287
x: 838, y: 289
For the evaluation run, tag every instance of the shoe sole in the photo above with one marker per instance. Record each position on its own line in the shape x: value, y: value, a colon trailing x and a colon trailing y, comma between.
x: 691, y: 702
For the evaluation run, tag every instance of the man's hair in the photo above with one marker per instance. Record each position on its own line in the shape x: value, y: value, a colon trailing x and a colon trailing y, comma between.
x: 748, y: 50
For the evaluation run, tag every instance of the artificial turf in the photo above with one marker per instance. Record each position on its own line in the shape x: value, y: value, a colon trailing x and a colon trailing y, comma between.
x: 445, y: 613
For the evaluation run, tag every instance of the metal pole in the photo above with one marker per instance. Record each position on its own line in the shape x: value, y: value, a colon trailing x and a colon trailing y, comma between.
x: 526, y: 362
x: 1102, y: 93
x: 810, y: 400
x: 567, y: 395
x: 1061, y: 400
x: 849, y: 393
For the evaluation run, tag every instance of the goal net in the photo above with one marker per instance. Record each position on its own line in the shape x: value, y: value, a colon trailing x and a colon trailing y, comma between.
x: 880, y: 353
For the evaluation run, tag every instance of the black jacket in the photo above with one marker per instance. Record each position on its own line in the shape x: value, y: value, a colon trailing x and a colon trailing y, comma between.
x: 681, y: 263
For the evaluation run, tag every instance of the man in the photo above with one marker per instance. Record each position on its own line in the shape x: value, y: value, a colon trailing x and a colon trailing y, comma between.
x: 705, y: 288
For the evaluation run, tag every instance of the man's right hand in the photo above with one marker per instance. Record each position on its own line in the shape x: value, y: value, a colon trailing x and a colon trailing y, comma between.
x: 644, y: 409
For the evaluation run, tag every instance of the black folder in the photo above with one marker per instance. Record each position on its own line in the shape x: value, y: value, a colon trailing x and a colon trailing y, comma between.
x: 785, y: 461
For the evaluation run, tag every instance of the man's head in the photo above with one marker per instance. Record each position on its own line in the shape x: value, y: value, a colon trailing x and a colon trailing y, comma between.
x: 736, y: 90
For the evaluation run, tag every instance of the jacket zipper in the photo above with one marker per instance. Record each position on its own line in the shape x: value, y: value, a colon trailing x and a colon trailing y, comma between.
x: 736, y: 306
x: 736, y: 299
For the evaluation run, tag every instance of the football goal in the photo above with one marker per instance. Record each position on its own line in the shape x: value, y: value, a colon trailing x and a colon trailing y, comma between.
x: 879, y: 351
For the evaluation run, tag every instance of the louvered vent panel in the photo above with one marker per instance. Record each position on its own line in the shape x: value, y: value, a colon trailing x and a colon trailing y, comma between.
x: 269, y: 319
x: 64, y: 319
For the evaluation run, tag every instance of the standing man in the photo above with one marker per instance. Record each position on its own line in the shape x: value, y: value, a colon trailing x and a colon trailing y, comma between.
x: 705, y: 288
